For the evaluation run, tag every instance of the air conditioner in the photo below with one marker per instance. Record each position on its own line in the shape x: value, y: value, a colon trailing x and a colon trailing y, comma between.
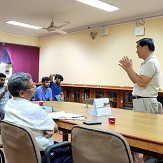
x: 6, y: 69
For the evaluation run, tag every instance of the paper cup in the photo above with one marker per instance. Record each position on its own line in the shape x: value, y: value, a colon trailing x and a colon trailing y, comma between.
x: 41, y: 103
x: 112, y: 120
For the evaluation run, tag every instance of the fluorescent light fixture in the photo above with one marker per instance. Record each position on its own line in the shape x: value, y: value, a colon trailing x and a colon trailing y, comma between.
x: 23, y: 24
x: 98, y: 4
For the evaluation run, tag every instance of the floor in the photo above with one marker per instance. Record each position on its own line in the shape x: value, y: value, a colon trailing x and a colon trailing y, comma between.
x: 58, y: 137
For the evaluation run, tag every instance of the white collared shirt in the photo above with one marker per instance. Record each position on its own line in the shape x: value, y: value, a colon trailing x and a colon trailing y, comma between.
x: 149, y: 68
x: 23, y: 112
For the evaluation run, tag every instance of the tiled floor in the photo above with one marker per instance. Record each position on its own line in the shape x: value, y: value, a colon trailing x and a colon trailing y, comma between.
x: 58, y: 137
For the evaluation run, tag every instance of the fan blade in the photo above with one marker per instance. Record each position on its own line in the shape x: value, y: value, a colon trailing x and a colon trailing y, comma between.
x: 62, y: 24
x: 60, y: 31
x: 49, y: 29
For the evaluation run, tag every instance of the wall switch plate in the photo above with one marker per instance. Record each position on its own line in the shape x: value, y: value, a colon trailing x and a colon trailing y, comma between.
x: 103, y: 31
x: 139, y: 31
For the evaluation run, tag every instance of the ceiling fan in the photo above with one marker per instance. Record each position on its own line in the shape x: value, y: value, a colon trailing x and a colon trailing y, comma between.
x: 56, y: 28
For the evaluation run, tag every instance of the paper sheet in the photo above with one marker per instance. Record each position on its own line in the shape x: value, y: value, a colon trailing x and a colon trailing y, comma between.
x: 63, y: 115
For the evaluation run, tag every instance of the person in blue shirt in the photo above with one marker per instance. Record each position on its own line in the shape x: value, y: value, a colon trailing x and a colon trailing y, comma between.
x: 57, y: 92
x: 4, y: 94
x: 43, y: 92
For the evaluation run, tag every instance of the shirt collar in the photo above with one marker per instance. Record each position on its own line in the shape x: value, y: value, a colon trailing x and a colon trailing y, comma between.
x: 151, y: 56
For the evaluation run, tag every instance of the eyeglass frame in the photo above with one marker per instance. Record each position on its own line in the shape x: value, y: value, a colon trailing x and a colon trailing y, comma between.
x: 32, y: 87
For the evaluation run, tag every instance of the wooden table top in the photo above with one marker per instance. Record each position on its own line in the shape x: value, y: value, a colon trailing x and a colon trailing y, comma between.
x: 142, y: 130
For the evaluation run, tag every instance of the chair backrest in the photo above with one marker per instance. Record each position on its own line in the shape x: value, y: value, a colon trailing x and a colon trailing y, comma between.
x: 160, y: 108
x: 90, y: 145
x: 2, y: 157
x: 89, y: 101
x: 19, y: 144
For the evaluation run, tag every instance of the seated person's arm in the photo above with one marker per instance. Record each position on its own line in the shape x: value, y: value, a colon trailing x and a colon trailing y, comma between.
x: 51, y: 77
x: 3, y: 93
x: 49, y: 133
x: 10, y: 96
x: 40, y: 99
x: 38, y: 96
x: 51, y: 97
x: 62, y: 96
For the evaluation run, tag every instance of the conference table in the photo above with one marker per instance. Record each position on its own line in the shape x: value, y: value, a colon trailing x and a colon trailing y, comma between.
x: 143, y: 131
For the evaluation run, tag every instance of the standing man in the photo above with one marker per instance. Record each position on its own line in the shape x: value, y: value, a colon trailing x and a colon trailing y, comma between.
x: 43, y: 92
x: 56, y: 88
x: 147, y: 81
x: 4, y: 94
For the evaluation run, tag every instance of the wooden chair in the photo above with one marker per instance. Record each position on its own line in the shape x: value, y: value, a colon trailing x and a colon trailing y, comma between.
x: 20, y: 146
x: 90, y: 145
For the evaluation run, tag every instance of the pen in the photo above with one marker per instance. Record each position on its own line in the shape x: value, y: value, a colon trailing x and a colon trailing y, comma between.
x: 78, y: 116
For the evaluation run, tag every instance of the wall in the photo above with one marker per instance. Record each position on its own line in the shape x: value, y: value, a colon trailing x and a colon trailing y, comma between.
x: 17, y: 39
x: 83, y: 60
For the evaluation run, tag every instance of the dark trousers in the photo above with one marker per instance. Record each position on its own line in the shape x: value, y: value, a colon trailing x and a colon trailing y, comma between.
x: 59, y: 155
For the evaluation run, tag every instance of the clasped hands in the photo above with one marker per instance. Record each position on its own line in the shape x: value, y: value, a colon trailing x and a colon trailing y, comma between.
x: 48, y: 133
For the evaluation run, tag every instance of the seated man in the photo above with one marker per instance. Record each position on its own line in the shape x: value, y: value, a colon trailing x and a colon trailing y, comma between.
x: 57, y: 91
x: 20, y: 110
x: 4, y: 94
x: 43, y: 92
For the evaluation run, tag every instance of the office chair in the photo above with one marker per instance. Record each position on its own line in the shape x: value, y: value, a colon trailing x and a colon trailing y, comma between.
x: 88, y: 101
x: 90, y: 145
x: 160, y: 108
x: 20, y: 146
x: 2, y: 157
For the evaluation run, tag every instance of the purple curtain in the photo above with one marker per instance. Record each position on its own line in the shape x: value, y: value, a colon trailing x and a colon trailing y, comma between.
x: 23, y: 58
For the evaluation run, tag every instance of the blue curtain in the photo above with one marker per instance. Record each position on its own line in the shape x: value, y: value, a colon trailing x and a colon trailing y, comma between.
x: 5, y: 55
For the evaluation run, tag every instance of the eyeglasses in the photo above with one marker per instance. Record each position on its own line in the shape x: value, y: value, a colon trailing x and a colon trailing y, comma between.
x: 32, y: 87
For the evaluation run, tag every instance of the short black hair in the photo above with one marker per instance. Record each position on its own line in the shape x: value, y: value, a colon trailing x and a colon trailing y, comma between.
x: 2, y: 75
x: 45, y: 79
x: 58, y: 76
x: 147, y: 41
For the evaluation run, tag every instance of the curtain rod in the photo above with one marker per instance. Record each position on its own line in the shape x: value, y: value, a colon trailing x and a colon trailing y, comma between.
x: 3, y: 43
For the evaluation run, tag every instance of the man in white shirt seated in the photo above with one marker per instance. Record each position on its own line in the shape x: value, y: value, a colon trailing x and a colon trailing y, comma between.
x: 20, y: 110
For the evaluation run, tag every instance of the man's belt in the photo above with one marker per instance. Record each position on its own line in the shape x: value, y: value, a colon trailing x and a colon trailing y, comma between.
x: 137, y: 97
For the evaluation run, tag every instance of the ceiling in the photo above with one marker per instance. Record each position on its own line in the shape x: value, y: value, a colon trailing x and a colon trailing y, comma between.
x: 82, y: 17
